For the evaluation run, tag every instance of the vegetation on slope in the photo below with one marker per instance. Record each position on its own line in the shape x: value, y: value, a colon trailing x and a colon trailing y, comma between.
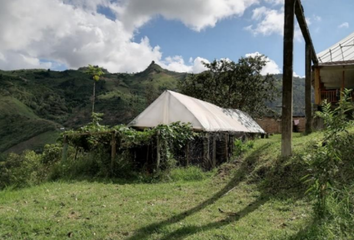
x: 64, y: 99
x: 257, y: 196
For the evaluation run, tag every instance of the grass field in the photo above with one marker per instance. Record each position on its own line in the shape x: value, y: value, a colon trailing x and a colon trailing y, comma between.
x: 229, y: 203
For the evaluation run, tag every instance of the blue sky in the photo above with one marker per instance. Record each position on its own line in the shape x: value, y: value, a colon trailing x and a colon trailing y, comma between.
x: 126, y: 35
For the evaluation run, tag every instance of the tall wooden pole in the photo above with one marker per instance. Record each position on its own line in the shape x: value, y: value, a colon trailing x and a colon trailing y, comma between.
x: 287, y: 107
x: 308, y: 104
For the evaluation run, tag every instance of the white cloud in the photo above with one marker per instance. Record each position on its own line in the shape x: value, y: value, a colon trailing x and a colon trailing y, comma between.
x: 344, y: 25
x: 73, y: 33
x: 177, y: 64
x: 269, y: 21
x: 271, y: 67
x: 196, y: 14
x: 317, y: 18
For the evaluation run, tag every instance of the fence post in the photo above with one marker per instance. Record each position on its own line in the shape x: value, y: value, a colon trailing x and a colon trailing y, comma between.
x: 158, y: 143
x: 65, y: 149
x: 113, y: 150
x: 214, y: 151
x: 226, y: 147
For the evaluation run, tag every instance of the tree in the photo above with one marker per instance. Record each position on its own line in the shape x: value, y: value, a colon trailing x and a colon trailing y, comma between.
x: 95, y: 72
x: 234, y: 85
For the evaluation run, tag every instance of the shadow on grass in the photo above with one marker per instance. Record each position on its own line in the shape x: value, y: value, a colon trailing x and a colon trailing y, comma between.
x: 247, y: 166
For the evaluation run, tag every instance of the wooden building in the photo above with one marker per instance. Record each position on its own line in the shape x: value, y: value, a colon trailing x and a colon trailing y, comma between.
x: 335, y: 71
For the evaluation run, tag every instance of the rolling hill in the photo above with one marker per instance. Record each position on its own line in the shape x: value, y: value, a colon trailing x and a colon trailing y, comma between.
x: 36, y: 104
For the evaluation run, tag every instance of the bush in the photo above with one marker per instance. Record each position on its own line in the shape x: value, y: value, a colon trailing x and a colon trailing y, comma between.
x: 241, y: 147
x: 22, y: 170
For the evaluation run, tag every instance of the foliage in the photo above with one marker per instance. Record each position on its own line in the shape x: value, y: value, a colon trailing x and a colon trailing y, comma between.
x: 21, y: 170
x: 325, y: 161
x: 234, y: 85
x: 38, y: 101
x: 241, y: 147
x: 95, y: 72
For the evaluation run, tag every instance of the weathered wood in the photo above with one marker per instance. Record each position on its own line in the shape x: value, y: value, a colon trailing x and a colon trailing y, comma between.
x: 187, y: 154
x: 214, y: 151
x: 65, y: 149
x: 287, y: 107
x: 158, y: 150
x: 206, y: 150
x: 317, y: 86
x: 226, y: 147
x: 300, y: 16
x: 343, y: 85
x: 308, y: 104
x: 113, y: 150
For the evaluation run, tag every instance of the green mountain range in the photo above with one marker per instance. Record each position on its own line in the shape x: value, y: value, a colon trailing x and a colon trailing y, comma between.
x: 36, y: 105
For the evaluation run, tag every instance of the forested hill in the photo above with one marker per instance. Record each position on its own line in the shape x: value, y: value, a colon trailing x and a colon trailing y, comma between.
x: 36, y: 104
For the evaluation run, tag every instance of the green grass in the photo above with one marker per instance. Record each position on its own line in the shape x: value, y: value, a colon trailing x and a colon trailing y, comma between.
x: 148, y: 211
x: 230, y: 203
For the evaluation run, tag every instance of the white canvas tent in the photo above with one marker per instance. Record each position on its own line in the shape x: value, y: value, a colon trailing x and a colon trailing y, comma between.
x: 171, y: 107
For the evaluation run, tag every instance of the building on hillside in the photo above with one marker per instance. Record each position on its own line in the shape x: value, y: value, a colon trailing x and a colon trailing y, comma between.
x: 218, y: 126
x: 272, y: 125
x: 335, y: 71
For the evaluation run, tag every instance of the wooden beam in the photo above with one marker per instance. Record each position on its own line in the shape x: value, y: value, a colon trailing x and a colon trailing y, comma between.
x: 318, y: 99
x: 287, y: 106
x: 308, y: 103
x: 300, y: 16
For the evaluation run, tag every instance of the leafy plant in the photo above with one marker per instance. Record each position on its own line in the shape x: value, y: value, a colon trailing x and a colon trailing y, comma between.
x: 241, y: 147
x: 95, y: 73
x: 324, y: 162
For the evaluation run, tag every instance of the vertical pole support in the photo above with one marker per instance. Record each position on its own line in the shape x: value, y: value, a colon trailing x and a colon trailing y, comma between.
x: 287, y: 104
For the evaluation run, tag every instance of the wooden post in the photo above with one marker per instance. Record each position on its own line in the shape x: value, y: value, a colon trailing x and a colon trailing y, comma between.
x: 113, y: 150
x: 187, y: 154
x: 317, y: 86
x: 65, y: 149
x: 343, y: 85
x: 206, y: 148
x: 226, y: 146
x: 214, y: 151
x: 287, y: 107
x: 158, y: 143
x: 308, y: 105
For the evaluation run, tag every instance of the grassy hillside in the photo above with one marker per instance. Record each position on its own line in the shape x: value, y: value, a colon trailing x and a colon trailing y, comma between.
x: 259, y: 196
x: 41, y: 101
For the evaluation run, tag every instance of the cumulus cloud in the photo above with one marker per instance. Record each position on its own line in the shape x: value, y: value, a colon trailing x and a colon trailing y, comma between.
x: 73, y: 32
x: 344, y: 25
x: 269, y: 21
x: 271, y: 67
x: 196, y: 14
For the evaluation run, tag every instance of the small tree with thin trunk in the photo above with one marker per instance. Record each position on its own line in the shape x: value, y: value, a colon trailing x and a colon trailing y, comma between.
x: 95, y: 72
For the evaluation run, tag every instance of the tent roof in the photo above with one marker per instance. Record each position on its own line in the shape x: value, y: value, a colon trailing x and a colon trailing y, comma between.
x: 342, y: 51
x: 171, y: 107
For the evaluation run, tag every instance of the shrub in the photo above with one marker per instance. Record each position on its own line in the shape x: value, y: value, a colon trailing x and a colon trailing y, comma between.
x: 241, y: 147
x: 22, y: 170
x: 326, y: 161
